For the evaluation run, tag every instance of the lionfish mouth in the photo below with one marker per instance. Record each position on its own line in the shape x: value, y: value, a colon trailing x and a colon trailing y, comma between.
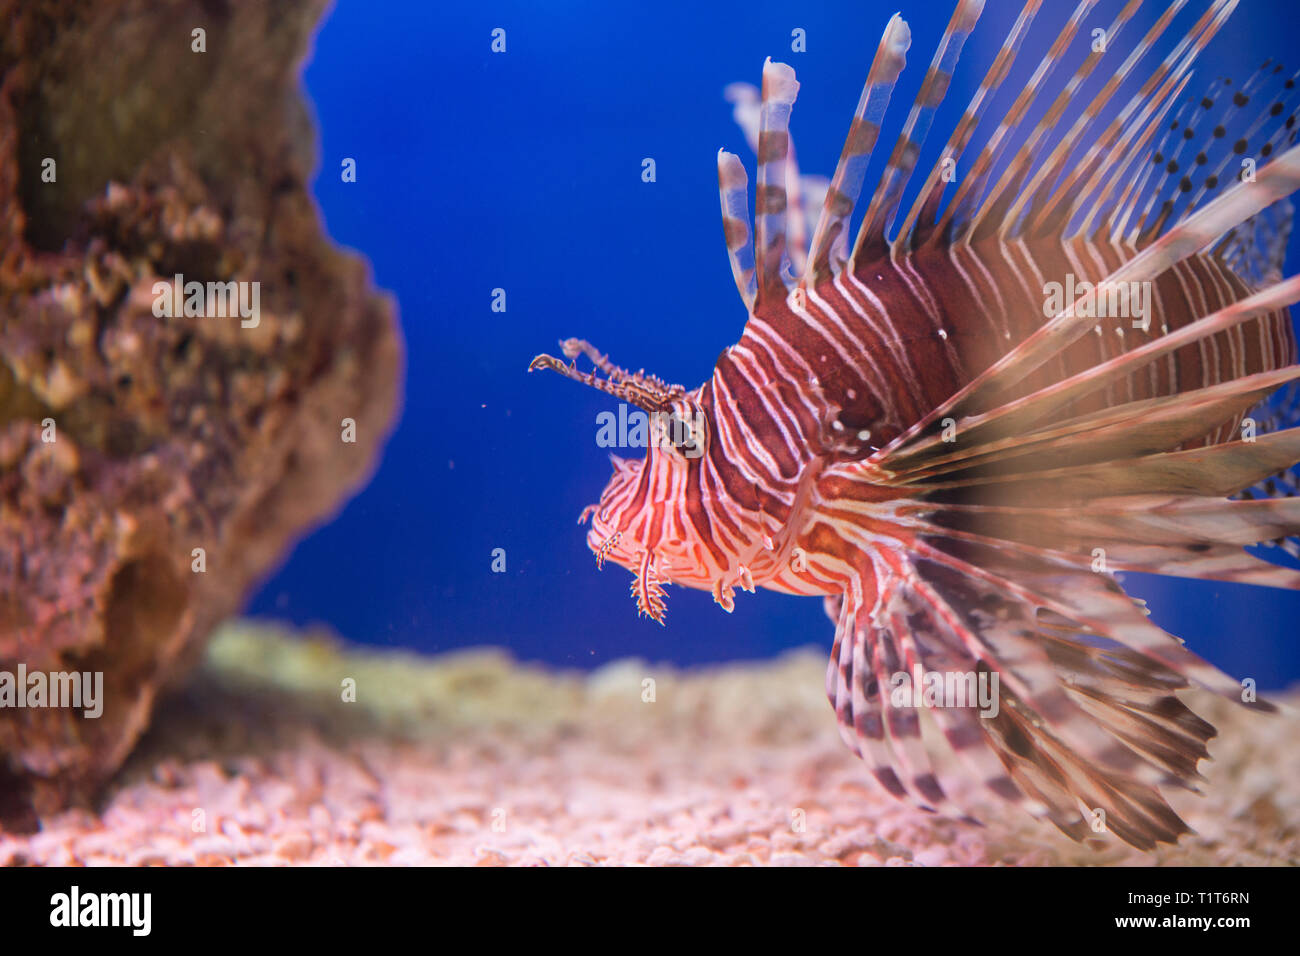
x: 650, y: 569
x: 1028, y: 447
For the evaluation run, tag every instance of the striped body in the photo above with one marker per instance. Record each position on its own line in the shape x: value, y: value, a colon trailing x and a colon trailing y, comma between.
x: 883, y: 347
x: 910, y: 428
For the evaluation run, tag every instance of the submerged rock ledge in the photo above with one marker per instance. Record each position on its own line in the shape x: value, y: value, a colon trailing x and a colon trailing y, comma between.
x: 471, y: 758
x: 129, y: 440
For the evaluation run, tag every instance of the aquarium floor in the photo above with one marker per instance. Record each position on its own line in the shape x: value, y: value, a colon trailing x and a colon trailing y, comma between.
x: 472, y: 759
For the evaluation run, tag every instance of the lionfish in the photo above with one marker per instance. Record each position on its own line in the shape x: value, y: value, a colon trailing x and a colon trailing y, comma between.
x: 911, y: 429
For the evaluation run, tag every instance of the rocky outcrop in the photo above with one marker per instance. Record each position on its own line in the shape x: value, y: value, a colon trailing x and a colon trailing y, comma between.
x: 154, y: 467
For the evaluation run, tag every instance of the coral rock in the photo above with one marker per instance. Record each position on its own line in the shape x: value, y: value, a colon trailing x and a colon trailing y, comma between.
x: 128, y: 440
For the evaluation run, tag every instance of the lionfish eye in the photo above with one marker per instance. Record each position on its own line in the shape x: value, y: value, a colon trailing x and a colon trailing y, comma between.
x: 681, y: 433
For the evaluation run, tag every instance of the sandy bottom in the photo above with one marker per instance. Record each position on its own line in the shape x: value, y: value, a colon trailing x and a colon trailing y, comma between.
x: 473, y: 759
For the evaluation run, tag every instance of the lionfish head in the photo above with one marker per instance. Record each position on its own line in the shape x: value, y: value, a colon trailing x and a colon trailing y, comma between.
x: 638, y: 522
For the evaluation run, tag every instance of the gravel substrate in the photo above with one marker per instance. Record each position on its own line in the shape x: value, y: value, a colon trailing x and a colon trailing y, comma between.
x: 473, y: 759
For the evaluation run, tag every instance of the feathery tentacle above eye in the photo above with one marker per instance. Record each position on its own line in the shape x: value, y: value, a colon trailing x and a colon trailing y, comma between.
x: 647, y: 392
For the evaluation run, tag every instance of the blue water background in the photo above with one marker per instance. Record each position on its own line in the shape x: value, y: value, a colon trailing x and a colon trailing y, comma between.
x: 522, y: 171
